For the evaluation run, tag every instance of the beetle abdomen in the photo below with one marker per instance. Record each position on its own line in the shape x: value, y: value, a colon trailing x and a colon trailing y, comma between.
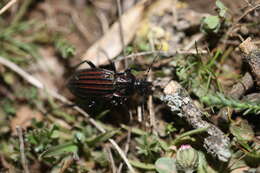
x: 92, y: 83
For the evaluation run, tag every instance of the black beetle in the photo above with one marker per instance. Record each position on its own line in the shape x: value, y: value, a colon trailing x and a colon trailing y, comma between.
x: 112, y: 86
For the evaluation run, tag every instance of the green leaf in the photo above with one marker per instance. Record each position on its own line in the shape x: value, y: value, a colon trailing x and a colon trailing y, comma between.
x: 134, y: 130
x: 222, y: 8
x: 245, y: 145
x: 165, y: 165
x: 163, y: 144
x: 101, y: 138
x: 142, y: 165
x: 210, y: 24
x: 187, y: 134
x: 29, y: 48
x: 60, y: 150
x: 80, y: 137
x: 242, y: 131
x: 55, y: 134
x: 203, y: 166
x: 148, y: 146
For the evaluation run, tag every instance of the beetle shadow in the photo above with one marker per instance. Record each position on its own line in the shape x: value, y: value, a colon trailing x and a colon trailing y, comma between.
x: 105, y: 111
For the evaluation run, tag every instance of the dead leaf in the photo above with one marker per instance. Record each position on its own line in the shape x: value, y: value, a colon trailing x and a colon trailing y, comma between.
x: 23, y: 118
x: 110, y: 44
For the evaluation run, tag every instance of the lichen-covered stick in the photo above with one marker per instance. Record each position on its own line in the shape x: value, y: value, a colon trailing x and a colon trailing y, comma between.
x: 177, y: 98
x: 251, y: 55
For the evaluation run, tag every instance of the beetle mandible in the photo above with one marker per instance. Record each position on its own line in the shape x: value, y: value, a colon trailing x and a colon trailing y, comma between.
x: 109, y: 85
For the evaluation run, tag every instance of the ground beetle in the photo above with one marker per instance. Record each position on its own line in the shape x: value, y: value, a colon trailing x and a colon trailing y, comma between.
x: 112, y: 86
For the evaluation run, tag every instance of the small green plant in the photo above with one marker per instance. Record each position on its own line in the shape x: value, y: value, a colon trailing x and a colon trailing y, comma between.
x: 42, y: 138
x: 64, y: 48
x: 149, y: 147
x: 211, y: 23
x: 101, y: 158
x: 202, y: 73
x: 219, y: 100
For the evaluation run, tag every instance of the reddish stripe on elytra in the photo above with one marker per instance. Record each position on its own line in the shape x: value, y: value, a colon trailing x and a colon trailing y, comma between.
x: 94, y: 82
x: 97, y: 87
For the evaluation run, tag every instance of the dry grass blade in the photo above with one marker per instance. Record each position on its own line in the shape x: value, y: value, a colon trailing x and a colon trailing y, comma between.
x: 7, y: 6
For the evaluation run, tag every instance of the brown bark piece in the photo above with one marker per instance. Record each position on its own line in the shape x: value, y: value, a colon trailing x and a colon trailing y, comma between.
x: 240, y: 88
x: 252, y: 57
x: 253, y: 60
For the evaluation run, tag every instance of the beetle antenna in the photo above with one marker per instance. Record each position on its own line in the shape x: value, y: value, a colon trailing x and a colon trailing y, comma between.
x: 150, y: 66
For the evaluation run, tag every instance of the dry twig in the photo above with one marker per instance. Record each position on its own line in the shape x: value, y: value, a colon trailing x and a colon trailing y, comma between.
x: 234, y: 25
x: 23, y: 158
x: 194, y: 40
x: 247, y: 12
x: 113, y: 166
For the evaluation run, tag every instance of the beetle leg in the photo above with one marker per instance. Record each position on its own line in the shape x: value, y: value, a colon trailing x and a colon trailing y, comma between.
x: 119, y: 98
x: 115, y: 102
x: 128, y: 70
x: 86, y: 61
x: 113, y: 66
x: 114, y: 99
x: 111, y: 62
x: 92, y: 103
x: 91, y: 64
